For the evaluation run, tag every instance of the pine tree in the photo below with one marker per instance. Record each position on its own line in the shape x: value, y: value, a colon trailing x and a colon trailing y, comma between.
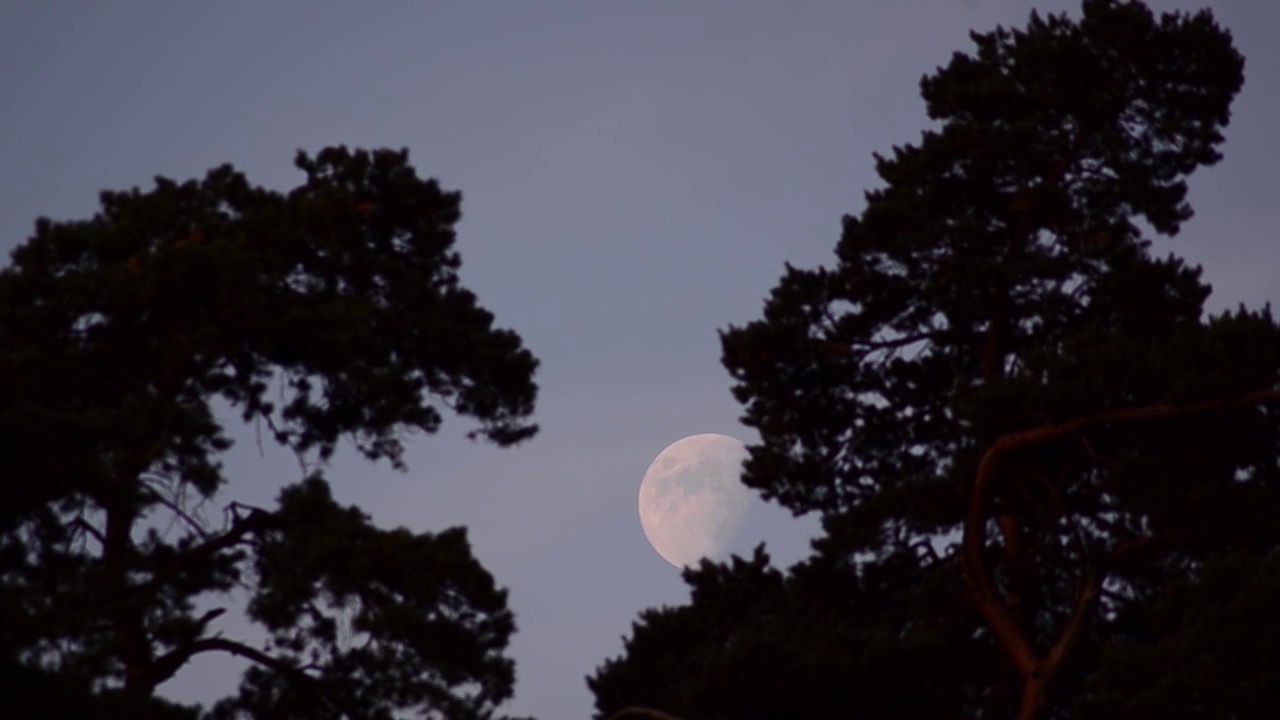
x: 1048, y: 481
x: 333, y: 311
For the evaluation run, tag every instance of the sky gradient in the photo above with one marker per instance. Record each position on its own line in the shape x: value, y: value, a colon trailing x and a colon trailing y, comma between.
x: 634, y: 175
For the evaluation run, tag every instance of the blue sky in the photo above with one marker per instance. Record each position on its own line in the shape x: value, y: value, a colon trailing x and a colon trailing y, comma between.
x: 634, y: 175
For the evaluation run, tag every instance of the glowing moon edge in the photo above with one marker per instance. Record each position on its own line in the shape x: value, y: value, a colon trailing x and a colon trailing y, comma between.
x: 692, y: 501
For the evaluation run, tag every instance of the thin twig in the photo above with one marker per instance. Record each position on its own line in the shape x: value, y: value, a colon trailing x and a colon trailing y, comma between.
x: 88, y: 527
x: 195, y: 525
x: 1105, y: 462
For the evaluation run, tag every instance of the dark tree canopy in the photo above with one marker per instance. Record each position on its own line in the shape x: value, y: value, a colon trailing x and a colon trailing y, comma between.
x: 1049, y: 484
x: 331, y: 311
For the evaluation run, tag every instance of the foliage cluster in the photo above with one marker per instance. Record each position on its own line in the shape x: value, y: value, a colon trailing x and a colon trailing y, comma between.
x: 1048, y: 483
x: 331, y: 311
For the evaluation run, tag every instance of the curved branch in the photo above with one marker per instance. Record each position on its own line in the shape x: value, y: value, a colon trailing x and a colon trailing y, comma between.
x: 179, y: 657
x: 256, y: 521
x: 79, y: 523
x: 1090, y: 585
x: 990, y: 605
x: 173, y: 507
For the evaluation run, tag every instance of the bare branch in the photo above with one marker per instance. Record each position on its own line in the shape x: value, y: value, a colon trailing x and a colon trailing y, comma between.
x: 255, y: 521
x: 281, y: 437
x: 1105, y: 462
x: 1086, y: 593
x: 179, y: 512
x: 1011, y: 638
x: 88, y: 527
x: 234, y: 508
x: 168, y: 664
x: 927, y: 551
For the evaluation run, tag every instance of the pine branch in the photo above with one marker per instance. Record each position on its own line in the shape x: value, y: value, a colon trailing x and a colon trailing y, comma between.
x: 987, y: 599
x: 179, y: 657
x: 255, y: 521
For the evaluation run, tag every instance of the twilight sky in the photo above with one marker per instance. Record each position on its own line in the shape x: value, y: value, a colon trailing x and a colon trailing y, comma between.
x: 634, y: 175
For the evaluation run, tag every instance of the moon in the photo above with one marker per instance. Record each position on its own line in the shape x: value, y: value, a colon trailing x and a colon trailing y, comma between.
x: 692, y: 500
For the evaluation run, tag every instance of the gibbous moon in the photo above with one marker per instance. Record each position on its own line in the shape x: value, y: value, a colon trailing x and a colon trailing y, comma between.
x: 692, y: 500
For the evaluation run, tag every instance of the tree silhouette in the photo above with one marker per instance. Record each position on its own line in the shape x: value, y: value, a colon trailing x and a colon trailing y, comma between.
x: 1048, y: 482
x: 331, y: 311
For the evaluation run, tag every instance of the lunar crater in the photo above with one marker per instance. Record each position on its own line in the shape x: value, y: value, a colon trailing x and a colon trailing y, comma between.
x: 692, y: 500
